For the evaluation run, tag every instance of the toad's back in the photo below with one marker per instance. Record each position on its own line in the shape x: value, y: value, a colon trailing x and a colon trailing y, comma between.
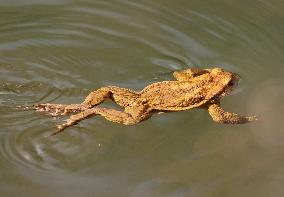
x: 175, y: 95
x: 183, y: 95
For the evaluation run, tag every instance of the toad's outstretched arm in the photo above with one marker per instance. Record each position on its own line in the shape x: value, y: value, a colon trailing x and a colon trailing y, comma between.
x: 220, y: 116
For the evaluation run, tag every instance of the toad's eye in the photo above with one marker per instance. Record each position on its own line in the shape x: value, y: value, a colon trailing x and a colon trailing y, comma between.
x: 231, y: 83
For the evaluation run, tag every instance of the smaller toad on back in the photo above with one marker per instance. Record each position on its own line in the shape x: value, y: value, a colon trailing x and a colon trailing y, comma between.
x: 193, y: 88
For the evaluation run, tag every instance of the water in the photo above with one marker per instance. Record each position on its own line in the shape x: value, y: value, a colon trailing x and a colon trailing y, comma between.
x: 59, y: 51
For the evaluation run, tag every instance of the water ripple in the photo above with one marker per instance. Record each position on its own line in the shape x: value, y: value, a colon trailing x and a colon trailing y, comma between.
x: 30, y: 149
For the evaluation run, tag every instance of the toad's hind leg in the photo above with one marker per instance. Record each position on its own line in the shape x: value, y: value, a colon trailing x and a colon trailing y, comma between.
x: 110, y: 114
x: 59, y: 109
x: 220, y: 116
x: 121, y: 96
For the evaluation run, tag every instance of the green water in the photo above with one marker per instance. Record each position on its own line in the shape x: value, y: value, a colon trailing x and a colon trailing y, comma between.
x: 59, y: 51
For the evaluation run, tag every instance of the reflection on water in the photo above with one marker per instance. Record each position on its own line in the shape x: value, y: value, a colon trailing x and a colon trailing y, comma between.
x: 58, y: 51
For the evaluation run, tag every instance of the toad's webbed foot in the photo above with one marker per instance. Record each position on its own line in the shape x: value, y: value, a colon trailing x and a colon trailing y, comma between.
x: 220, y: 116
x: 59, y: 109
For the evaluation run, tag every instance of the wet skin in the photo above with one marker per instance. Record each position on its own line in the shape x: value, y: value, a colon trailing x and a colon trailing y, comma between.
x: 193, y: 88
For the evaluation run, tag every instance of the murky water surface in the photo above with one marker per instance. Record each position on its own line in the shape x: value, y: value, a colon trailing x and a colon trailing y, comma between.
x: 60, y: 50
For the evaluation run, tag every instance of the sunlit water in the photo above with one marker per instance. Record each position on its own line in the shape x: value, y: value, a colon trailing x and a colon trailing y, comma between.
x: 59, y: 51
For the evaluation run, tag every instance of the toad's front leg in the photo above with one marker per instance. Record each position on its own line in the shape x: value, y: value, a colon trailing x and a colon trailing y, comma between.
x: 220, y: 116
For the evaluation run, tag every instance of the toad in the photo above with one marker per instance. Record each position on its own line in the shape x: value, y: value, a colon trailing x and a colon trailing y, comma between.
x: 193, y: 88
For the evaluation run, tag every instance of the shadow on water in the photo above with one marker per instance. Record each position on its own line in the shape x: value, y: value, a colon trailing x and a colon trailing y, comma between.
x: 59, y: 51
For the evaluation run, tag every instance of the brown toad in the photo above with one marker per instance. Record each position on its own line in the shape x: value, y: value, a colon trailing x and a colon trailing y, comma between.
x: 193, y: 88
